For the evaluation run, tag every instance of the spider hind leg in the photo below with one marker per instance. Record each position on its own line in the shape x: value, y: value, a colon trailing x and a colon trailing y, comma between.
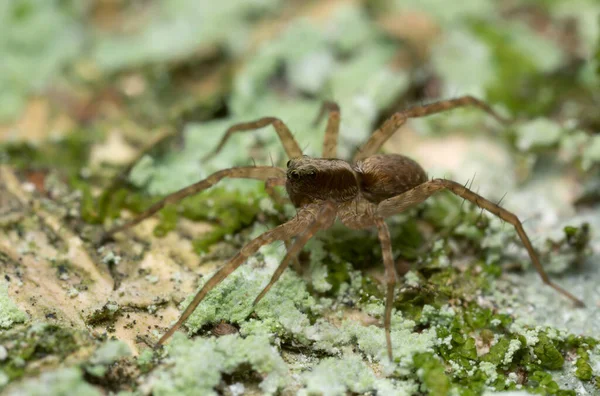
x: 423, y: 191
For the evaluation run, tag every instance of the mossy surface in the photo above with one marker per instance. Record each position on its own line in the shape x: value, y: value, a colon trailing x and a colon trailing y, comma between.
x: 86, y: 85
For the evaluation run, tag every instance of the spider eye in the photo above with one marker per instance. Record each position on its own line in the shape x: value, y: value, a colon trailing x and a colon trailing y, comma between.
x: 288, y: 163
x: 294, y: 174
x: 312, y: 174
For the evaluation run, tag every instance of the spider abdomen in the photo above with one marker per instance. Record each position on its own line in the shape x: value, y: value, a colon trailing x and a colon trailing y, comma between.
x: 383, y: 176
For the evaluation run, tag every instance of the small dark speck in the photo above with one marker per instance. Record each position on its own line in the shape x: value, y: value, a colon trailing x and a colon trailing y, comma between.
x: 7, y: 278
x: 51, y: 315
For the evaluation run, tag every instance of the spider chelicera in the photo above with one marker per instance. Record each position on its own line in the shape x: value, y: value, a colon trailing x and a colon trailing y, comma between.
x: 361, y: 194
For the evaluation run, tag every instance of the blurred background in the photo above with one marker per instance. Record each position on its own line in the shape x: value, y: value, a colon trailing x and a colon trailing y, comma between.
x: 86, y: 87
x: 130, y: 70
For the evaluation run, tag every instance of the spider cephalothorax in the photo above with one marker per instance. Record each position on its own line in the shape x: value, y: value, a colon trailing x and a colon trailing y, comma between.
x: 361, y: 194
x: 319, y: 179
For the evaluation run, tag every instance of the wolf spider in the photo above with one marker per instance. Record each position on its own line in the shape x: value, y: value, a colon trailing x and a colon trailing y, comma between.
x: 361, y: 194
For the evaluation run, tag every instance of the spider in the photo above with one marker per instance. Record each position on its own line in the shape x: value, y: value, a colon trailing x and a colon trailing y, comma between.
x: 361, y: 194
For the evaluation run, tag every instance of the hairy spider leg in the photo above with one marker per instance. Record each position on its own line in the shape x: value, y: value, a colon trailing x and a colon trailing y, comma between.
x: 390, y: 278
x: 279, y: 199
x: 420, y: 193
x: 290, y: 145
x: 330, y: 140
x: 243, y: 172
x: 270, y: 185
x: 391, y: 125
x: 293, y: 227
x: 323, y: 219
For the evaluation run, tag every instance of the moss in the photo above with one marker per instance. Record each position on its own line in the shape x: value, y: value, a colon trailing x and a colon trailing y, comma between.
x: 546, y: 352
x: 66, y: 154
x: 542, y: 383
x: 583, y: 368
x: 431, y: 372
x: 107, y: 314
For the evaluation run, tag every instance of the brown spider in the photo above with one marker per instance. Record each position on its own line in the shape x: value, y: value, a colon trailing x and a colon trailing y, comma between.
x: 360, y: 194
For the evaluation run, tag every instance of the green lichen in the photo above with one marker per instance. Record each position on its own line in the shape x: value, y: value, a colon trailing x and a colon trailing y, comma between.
x: 9, y: 311
x: 591, y: 153
x: 405, y: 343
x: 62, y: 382
x: 176, y: 29
x: 197, y: 366
x: 285, y: 307
x: 106, y: 354
x: 38, y: 40
x: 26, y: 347
x: 538, y: 133
x: 333, y: 376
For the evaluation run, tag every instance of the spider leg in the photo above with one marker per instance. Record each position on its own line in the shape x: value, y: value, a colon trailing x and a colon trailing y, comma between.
x: 280, y: 200
x: 390, y: 277
x: 244, y: 172
x: 391, y: 125
x: 290, y: 145
x: 333, y: 128
x: 422, y: 192
x: 270, y: 185
x: 325, y: 217
x: 285, y: 231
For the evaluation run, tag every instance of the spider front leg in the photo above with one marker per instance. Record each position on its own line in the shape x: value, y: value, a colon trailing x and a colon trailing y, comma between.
x: 293, y: 227
x: 270, y: 185
x: 324, y: 219
x: 290, y: 145
x: 333, y: 128
x: 390, y: 278
x: 422, y: 192
x: 265, y: 173
x: 389, y: 127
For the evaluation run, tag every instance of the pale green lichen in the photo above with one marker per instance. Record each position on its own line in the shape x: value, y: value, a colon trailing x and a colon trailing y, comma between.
x: 333, y: 376
x: 591, y: 153
x: 405, y: 343
x: 38, y: 40
x: 489, y: 369
x: 285, y: 306
x: 538, y: 133
x: 196, y: 366
x: 63, y: 382
x: 513, y: 346
x: 9, y: 311
x: 178, y: 28
x: 106, y: 354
